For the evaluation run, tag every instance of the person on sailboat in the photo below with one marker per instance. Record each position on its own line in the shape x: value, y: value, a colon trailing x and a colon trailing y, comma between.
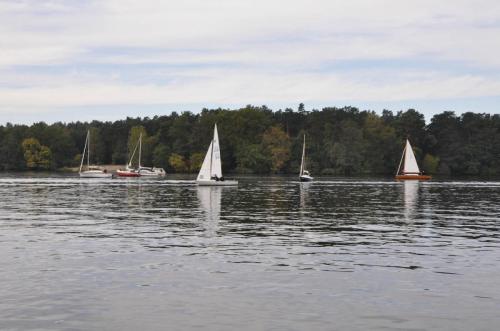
x: 211, y: 168
x: 217, y: 178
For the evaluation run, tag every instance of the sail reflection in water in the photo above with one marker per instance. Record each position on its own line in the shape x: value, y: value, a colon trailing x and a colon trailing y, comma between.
x: 305, y: 187
x: 210, y: 205
x: 410, y: 192
x: 344, y: 254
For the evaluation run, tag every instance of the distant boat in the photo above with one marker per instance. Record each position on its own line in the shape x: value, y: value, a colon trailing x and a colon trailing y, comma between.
x: 148, y: 171
x: 304, y: 175
x: 92, y: 171
x: 140, y: 170
x: 211, y: 170
x: 129, y: 171
x: 410, y: 169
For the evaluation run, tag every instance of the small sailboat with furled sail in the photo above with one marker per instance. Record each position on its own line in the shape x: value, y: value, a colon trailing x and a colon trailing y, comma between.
x: 140, y: 171
x: 148, y: 171
x: 211, y: 170
x: 129, y: 171
x: 304, y: 175
x: 408, y: 168
x: 91, y: 171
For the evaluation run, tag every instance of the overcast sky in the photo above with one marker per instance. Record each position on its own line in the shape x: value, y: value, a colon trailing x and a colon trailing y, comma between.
x: 108, y: 59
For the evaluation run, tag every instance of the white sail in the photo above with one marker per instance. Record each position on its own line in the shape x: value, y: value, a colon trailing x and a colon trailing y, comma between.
x: 204, y: 173
x: 216, y: 161
x: 211, y: 170
x: 410, y: 165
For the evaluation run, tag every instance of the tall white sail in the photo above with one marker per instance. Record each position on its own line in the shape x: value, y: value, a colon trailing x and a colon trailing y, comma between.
x: 204, y: 173
x: 410, y: 165
x: 216, y: 162
x: 211, y: 164
x: 211, y: 170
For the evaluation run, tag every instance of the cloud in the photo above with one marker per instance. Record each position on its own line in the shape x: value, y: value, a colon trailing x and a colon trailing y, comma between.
x: 232, y: 86
x: 76, y: 53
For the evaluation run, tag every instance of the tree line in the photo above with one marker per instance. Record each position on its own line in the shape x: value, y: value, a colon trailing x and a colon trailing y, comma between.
x: 257, y: 140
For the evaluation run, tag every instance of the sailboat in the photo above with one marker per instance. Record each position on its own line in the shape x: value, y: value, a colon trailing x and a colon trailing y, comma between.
x: 211, y: 170
x: 410, y: 169
x: 129, y: 171
x: 140, y: 171
x: 304, y: 175
x: 94, y: 171
x: 148, y: 171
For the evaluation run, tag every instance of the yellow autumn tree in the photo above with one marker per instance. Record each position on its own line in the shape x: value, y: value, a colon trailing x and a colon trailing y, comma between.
x: 277, y: 145
x: 177, y: 162
x: 195, y: 161
x: 36, y: 155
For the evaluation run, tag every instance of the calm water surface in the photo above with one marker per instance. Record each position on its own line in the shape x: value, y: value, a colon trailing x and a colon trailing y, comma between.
x: 271, y: 254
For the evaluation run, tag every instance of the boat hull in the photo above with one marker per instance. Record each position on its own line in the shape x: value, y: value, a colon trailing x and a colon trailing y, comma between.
x: 93, y: 174
x: 152, y: 174
x: 121, y: 173
x: 306, y: 178
x: 413, y: 177
x: 217, y: 183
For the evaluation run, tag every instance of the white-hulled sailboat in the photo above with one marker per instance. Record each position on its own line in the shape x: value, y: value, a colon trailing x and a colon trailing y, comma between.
x: 410, y: 169
x: 140, y: 171
x: 304, y: 175
x: 148, y: 171
x: 211, y: 170
x: 92, y: 171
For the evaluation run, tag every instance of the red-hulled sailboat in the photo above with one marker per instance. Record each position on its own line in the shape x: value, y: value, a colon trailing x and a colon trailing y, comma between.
x: 410, y: 169
x: 129, y: 171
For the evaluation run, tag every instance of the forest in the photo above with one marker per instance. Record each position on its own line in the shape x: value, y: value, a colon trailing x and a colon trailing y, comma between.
x: 256, y: 140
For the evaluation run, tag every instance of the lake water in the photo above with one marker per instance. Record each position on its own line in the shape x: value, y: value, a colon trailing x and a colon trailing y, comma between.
x: 270, y: 254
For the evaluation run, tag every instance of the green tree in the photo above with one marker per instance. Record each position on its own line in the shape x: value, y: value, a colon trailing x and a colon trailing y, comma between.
x: 381, y: 147
x: 348, y: 153
x: 160, y: 156
x: 252, y: 159
x: 430, y: 164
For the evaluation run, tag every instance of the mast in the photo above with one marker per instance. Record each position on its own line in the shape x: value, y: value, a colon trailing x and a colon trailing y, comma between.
x: 133, y: 153
x: 211, y: 155
x: 88, y: 150
x: 84, y: 150
x: 140, y: 149
x: 401, y: 161
x: 302, y: 165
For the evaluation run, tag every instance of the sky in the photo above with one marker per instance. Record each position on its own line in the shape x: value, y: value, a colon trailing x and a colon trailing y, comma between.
x: 69, y: 60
